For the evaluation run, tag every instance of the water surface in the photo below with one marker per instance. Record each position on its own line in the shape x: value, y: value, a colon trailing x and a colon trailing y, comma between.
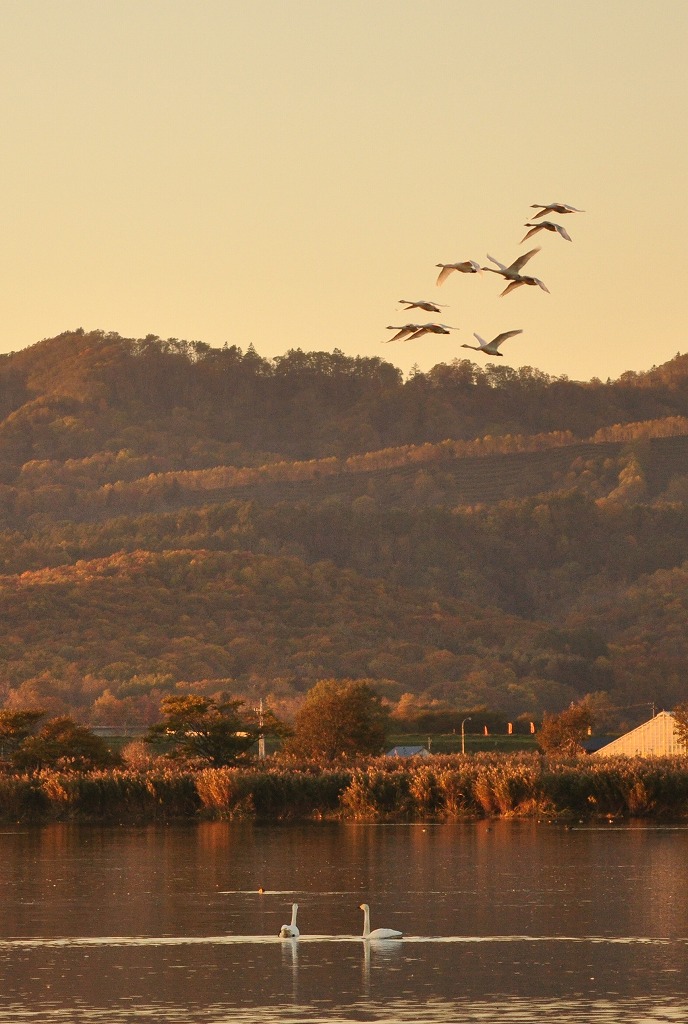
x: 508, y: 922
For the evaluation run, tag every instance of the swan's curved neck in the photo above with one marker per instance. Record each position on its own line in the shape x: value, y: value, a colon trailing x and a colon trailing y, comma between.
x: 294, y: 908
x: 366, y: 921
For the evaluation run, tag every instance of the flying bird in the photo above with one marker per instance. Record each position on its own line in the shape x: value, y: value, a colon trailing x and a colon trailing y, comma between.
x: 490, y: 348
x: 524, y: 279
x: 411, y: 331
x: 467, y: 267
x: 546, y: 225
x: 403, y: 332
x: 432, y: 329
x: 553, y: 208
x: 513, y: 274
x: 429, y: 307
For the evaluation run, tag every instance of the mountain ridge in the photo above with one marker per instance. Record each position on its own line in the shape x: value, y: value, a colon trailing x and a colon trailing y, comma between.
x: 538, y: 517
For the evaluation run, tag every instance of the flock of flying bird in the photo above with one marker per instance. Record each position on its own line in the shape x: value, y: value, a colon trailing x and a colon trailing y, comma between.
x: 512, y: 274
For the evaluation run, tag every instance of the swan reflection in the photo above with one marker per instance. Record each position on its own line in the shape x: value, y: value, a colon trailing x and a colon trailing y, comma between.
x: 378, y: 952
x: 290, y: 958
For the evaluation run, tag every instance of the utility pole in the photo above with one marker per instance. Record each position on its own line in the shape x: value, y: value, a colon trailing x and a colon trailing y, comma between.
x: 261, y: 738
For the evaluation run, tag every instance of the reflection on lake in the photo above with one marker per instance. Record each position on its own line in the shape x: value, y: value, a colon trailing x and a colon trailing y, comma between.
x: 507, y: 921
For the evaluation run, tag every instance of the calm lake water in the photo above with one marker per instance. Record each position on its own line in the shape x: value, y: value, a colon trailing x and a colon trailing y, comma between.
x: 507, y: 922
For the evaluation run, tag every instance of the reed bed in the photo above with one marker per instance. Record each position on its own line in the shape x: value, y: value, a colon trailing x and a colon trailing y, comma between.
x: 446, y: 788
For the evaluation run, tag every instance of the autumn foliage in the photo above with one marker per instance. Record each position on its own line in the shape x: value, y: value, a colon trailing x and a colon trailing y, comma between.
x: 179, y: 519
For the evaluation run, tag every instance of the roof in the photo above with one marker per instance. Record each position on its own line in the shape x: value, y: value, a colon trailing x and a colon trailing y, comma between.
x: 655, y: 738
x: 408, y: 752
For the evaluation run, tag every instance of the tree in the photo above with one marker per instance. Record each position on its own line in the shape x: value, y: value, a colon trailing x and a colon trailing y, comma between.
x: 563, y: 734
x: 680, y: 714
x: 207, y: 728
x: 61, y: 743
x: 15, y: 728
x: 339, y: 718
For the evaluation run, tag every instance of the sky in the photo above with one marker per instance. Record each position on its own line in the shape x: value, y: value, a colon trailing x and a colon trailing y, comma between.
x: 281, y: 172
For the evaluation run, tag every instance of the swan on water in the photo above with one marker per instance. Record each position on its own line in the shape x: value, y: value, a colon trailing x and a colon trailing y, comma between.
x: 378, y: 933
x: 546, y: 225
x: 467, y: 267
x: 290, y: 931
x: 553, y: 208
x: 429, y: 307
x: 491, y: 347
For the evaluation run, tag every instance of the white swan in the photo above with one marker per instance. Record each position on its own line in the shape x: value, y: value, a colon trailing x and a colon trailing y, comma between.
x: 429, y: 307
x: 553, y: 208
x: 432, y: 329
x: 467, y: 267
x: 524, y: 279
x: 513, y: 274
x: 546, y: 225
x: 411, y: 331
x: 290, y: 931
x: 379, y: 933
x: 491, y: 347
x: 402, y: 332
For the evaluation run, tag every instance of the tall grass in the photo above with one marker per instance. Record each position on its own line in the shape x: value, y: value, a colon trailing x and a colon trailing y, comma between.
x: 445, y: 788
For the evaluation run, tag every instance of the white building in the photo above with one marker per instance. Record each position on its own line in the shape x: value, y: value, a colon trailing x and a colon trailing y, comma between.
x: 656, y: 738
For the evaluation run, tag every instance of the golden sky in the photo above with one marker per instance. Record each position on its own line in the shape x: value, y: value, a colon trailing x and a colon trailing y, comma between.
x: 281, y: 172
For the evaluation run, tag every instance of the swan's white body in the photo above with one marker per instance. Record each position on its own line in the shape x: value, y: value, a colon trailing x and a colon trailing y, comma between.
x: 378, y: 933
x: 546, y: 225
x: 491, y: 347
x: 467, y: 267
x: 290, y: 931
x: 513, y: 274
x: 553, y: 208
x: 429, y: 307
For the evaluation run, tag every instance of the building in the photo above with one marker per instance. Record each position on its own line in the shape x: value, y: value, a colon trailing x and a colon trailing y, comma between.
x: 656, y: 738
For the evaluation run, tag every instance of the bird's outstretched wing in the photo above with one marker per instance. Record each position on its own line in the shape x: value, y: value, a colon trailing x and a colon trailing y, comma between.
x: 533, y: 229
x: 510, y: 288
x: 502, y: 266
x: 522, y: 260
x: 443, y: 275
x: 402, y: 332
x: 501, y: 338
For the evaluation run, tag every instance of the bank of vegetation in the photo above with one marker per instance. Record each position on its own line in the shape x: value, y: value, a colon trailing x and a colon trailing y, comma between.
x: 447, y: 788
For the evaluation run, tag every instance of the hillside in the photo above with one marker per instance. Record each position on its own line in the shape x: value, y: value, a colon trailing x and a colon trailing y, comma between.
x: 176, y: 515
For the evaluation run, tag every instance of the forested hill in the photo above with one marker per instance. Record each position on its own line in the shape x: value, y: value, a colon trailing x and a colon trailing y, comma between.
x: 174, y: 515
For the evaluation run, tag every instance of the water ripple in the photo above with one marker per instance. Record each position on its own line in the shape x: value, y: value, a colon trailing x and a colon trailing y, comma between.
x: 188, y: 940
